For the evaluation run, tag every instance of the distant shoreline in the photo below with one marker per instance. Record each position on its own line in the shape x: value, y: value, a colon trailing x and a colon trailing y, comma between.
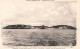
x: 21, y: 26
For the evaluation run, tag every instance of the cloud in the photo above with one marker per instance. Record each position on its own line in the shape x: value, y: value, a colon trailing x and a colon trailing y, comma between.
x: 40, y: 13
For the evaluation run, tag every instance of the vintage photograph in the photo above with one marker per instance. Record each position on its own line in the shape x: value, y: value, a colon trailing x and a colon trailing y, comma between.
x: 39, y: 23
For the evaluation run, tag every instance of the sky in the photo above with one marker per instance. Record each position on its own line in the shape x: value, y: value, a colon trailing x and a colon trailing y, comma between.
x: 38, y: 13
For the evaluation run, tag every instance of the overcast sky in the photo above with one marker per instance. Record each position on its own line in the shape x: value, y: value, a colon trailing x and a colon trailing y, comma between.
x: 38, y: 13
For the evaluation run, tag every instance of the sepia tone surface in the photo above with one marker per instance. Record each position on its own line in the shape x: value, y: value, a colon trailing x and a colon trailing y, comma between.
x: 40, y: 24
x: 39, y: 37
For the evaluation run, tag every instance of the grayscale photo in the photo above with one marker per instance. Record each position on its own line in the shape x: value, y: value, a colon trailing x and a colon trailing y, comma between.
x: 39, y: 23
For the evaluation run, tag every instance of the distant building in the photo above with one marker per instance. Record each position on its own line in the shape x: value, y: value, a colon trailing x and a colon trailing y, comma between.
x: 28, y: 27
x: 40, y: 27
